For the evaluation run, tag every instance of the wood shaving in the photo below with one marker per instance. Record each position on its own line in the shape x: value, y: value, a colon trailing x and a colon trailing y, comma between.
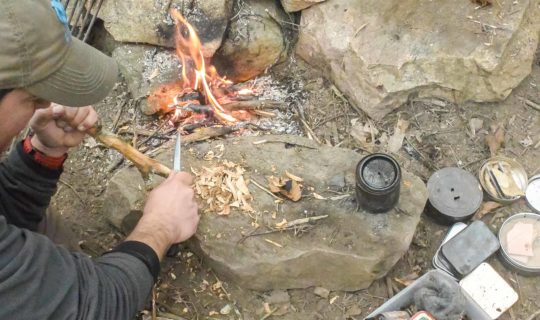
x: 223, y: 187
x: 318, y: 196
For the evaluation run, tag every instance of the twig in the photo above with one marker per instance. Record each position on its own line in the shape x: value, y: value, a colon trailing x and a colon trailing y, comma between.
x: 151, y: 135
x: 389, y: 289
x: 303, y: 221
x: 207, y: 133
x: 145, y: 164
x: 264, y: 189
x: 534, y: 315
x: 310, y: 131
x: 154, y: 309
x: 254, y: 105
x: 118, y: 116
x: 269, y: 314
x: 74, y: 191
x: 359, y: 29
x: 531, y: 104
x: 170, y: 316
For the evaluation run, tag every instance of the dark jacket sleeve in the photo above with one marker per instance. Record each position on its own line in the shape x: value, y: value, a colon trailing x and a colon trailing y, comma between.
x: 26, y: 189
x: 39, y: 280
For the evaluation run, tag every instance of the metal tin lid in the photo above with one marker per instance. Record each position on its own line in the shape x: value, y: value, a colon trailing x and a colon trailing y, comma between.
x: 454, y: 194
x: 532, y: 193
x: 379, y: 172
x: 519, y: 236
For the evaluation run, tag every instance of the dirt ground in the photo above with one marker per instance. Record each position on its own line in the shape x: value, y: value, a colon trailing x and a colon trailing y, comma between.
x: 439, y: 136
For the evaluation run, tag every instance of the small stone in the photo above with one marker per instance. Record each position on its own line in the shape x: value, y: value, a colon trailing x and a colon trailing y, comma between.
x: 123, y: 199
x: 226, y: 309
x: 321, y: 292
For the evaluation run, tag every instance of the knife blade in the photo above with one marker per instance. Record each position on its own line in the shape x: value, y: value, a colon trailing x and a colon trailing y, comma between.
x: 177, y: 167
x: 177, y: 160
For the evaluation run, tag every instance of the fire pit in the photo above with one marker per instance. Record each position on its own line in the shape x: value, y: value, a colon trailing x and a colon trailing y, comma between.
x: 201, y: 97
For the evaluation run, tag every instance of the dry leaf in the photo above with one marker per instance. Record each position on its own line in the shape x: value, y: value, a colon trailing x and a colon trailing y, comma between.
x: 285, y: 186
x: 495, y: 140
x: 293, y: 177
x: 396, y: 140
x: 487, y: 207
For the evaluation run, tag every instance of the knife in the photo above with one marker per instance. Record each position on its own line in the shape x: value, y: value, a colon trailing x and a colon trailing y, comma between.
x: 177, y: 167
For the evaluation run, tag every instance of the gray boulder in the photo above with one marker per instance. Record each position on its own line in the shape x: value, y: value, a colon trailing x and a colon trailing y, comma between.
x: 379, y: 53
x: 148, y: 21
x: 254, y: 41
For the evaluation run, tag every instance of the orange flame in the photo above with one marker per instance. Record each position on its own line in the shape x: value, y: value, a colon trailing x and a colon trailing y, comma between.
x: 189, y: 50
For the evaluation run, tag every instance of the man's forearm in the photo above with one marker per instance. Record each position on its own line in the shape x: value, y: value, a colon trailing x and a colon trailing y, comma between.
x: 153, y: 234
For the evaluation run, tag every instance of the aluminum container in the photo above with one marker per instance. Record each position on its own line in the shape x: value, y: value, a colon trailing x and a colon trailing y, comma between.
x: 518, y: 173
x: 531, y: 267
x: 532, y: 194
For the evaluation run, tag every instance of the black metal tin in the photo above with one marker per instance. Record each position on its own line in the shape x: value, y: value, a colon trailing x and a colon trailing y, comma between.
x: 378, y: 183
x: 454, y: 195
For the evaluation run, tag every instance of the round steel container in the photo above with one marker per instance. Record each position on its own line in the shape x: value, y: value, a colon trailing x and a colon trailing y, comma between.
x: 454, y: 195
x: 532, y: 193
x: 378, y: 183
x: 530, y: 267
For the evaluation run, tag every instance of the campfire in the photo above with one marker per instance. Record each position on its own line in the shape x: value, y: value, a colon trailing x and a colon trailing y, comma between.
x: 201, y: 97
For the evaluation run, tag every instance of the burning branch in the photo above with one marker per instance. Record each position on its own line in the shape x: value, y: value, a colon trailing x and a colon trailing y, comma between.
x: 145, y: 164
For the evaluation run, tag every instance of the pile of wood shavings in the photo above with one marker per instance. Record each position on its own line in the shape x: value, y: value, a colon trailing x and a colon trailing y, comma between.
x: 223, y: 187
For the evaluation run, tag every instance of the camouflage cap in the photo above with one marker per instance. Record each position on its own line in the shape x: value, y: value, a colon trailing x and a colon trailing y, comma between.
x: 38, y: 53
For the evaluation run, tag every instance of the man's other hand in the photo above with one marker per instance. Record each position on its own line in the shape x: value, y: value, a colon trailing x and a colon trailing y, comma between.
x: 170, y: 214
x: 58, y: 128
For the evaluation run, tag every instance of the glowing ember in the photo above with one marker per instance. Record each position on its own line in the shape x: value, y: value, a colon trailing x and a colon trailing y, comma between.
x: 183, y: 96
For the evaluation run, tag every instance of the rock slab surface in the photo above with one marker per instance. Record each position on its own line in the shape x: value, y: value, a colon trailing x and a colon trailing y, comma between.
x: 380, y: 53
x: 346, y: 251
x: 297, y: 5
x: 149, y: 22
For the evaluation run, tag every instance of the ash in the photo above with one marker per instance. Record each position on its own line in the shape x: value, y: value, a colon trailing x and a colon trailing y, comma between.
x: 291, y: 94
x: 158, y: 62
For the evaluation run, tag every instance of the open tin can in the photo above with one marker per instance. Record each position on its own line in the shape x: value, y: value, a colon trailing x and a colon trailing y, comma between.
x: 378, y: 183
x: 520, y: 243
x: 504, y: 180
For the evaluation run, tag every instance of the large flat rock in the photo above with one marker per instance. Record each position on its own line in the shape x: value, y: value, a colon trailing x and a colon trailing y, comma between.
x: 380, y: 53
x: 346, y: 251
x: 149, y: 22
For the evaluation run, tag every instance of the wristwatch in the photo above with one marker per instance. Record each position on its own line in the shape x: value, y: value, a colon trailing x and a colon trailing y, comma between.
x: 41, y: 158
